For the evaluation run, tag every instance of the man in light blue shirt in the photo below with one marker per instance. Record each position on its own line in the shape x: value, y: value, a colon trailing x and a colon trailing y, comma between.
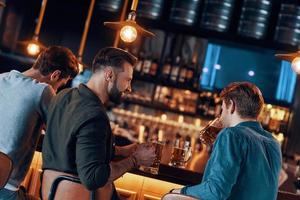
x: 246, y: 160
x: 24, y: 100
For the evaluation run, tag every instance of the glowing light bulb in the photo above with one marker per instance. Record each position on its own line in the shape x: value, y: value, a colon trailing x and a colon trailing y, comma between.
x: 128, y: 34
x: 33, y: 49
x: 296, y: 65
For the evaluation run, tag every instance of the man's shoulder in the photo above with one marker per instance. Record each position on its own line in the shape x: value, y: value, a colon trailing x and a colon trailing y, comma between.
x: 78, y: 105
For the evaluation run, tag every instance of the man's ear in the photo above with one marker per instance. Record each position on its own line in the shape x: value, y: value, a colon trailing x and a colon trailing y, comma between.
x: 108, y: 74
x: 232, y: 106
x: 55, y: 76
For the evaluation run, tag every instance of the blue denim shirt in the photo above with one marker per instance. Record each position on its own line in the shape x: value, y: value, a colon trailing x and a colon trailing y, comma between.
x: 244, y: 165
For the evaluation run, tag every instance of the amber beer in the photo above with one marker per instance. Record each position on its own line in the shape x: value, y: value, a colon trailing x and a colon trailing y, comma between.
x: 179, y: 157
x: 153, y: 169
x: 209, y: 134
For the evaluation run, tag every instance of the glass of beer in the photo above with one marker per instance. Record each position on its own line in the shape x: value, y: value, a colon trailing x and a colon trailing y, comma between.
x: 180, y: 156
x: 209, y: 133
x: 153, y: 169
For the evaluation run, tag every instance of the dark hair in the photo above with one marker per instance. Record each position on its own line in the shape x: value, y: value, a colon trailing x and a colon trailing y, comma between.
x: 57, y: 58
x: 246, y: 96
x: 111, y: 56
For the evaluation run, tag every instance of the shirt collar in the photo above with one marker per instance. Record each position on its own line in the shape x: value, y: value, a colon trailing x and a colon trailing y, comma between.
x: 84, y: 90
x: 254, y: 124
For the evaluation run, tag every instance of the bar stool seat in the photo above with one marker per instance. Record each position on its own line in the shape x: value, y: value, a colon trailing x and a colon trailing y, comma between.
x: 57, y: 185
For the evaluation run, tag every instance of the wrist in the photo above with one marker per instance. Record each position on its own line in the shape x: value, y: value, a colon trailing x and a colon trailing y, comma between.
x: 134, y: 161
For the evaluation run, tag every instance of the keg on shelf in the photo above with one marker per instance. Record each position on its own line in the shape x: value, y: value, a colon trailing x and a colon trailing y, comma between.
x: 288, y: 25
x: 151, y: 9
x: 254, y: 19
x: 216, y: 15
x: 184, y: 11
x: 110, y: 5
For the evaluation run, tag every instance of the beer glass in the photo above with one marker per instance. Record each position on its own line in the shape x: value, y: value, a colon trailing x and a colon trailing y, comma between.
x: 180, y: 156
x: 209, y: 133
x: 153, y: 169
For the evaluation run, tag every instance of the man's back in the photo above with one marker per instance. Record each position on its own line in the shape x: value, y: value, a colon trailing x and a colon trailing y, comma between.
x: 244, y: 165
x: 78, y: 139
x: 259, y: 172
x: 23, y: 108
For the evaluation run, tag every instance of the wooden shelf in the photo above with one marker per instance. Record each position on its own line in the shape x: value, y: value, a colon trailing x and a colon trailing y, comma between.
x: 166, y: 109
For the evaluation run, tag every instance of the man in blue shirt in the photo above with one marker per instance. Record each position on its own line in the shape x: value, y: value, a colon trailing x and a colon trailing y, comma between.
x: 246, y: 160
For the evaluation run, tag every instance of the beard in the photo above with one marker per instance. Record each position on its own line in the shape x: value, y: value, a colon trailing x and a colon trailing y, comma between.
x: 114, y: 95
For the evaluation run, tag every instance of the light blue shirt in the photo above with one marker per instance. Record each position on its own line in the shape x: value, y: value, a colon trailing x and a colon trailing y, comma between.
x: 23, y: 109
x: 244, y: 165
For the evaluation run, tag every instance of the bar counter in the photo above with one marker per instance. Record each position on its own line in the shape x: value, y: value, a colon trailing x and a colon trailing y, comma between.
x: 173, y: 175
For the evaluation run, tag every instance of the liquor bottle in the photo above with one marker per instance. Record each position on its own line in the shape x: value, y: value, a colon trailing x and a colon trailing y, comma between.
x: 154, y: 67
x: 166, y: 69
x: 139, y: 66
x: 190, y: 74
x: 177, y: 140
x: 182, y: 74
x: 175, y: 70
x: 196, y: 76
x: 147, y: 65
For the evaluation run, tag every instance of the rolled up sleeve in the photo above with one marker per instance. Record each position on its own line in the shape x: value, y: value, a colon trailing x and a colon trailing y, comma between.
x: 91, y: 153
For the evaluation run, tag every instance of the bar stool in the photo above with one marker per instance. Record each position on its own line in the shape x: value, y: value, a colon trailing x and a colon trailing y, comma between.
x: 174, y: 196
x: 57, y: 185
x: 6, y: 167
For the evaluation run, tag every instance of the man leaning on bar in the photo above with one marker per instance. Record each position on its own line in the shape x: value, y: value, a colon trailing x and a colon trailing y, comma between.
x: 79, y: 139
x: 246, y: 160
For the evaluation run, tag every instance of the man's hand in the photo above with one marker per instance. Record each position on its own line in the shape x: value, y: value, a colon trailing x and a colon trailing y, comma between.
x: 144, y: 155
x: 127, y: 150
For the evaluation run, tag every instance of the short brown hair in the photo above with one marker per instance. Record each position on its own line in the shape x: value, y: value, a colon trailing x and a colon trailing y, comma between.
x: 246, y: 96
x: 111, y: 56
x: 57, y: 58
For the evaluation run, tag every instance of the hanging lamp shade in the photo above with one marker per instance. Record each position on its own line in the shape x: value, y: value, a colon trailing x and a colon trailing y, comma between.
x: 288, y: 56
x: 119, y: 25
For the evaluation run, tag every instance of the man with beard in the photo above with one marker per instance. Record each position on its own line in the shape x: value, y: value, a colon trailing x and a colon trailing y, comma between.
x: 245, y: 160
x: 79, y: 138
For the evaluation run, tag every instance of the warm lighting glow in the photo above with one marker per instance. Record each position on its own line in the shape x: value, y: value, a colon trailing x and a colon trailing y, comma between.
x: 33, y: 49
x: 197, y: 122
x: 180, y: 119
x: 269, y: 106
x: 128, y: 34
x: 141, y: 133
x: 80, y: 67
x: 164, y: 117
x: 296, y: 65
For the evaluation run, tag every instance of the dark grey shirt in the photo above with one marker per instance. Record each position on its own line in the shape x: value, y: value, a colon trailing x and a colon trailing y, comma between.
x: 23, y: 107
x: 79, y: 139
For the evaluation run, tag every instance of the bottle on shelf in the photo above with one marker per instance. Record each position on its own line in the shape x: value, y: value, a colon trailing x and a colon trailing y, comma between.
x: 139, y: 65
x: 177, y: 140
x: 153, y: 67
x: 147, y: 65
x: 175, y: 69
x: 166, y: 69
x: 183, y: 74
x: 190, y: 74
x: 196, y: 76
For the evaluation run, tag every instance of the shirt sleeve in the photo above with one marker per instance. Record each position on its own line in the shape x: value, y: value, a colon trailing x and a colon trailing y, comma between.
x: 91, y: 153
x: 47, y: 94
x: 222, y: 169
